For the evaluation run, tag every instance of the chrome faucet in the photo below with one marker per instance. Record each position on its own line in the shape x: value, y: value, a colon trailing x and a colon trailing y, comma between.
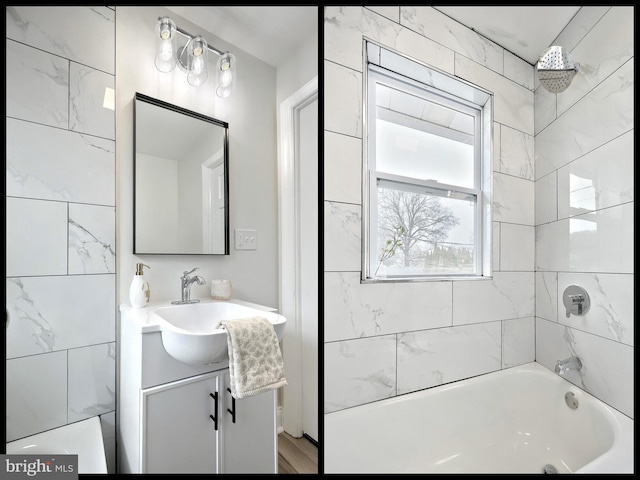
x: 571, y: 363
x: 185, y: 287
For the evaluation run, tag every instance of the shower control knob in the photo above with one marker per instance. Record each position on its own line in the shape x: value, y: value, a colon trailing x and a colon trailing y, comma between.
x: 576, y: 300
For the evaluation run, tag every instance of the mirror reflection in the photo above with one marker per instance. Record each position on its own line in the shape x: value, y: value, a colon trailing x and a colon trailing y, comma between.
x: 180, y: 180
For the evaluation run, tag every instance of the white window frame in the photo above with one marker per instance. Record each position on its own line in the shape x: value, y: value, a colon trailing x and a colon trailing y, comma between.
x: 386, y: 66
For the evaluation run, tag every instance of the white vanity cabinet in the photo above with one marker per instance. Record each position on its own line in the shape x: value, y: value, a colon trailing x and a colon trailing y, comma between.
x: 166, y: 411
x: 248, y: 425
x: 180, y: 426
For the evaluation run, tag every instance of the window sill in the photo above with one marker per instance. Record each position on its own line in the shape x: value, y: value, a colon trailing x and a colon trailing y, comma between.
x: 461, y: 278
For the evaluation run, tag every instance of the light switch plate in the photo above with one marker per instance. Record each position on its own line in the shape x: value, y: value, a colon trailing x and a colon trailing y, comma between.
x: 246, y: 239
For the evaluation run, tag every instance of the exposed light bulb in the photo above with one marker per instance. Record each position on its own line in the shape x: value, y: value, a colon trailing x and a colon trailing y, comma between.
x: 225, y: 78
x: 197, y: 66
x: 166, y: 53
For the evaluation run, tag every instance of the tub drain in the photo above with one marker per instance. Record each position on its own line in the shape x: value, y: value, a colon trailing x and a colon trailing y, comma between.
x: 548, y: 468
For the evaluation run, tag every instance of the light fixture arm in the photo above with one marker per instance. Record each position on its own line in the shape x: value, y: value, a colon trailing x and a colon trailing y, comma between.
x: 191, y: 37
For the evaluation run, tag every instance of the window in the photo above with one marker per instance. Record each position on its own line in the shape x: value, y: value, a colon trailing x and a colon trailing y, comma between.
x: 427, y: 172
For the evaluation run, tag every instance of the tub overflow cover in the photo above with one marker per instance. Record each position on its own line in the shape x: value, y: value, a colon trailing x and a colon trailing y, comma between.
x: 571, y: 400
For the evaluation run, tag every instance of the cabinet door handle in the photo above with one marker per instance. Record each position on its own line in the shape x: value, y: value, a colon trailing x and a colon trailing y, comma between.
x: 233, y: 407
x: 215, y: 409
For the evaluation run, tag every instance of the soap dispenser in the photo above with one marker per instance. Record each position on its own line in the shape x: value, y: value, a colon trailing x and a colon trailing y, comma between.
x: 139, y: 292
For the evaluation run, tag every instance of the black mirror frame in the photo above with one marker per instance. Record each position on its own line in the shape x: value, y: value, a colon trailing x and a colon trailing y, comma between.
x: 184, y: 111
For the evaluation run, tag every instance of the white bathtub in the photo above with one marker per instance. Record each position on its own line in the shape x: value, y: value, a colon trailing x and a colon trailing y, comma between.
x: 83, y: 438
x: 510, y: 421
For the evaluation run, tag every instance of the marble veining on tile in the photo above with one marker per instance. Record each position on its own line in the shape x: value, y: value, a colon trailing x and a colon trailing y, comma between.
x: 342, y: 168
x: 429, y: 22
x: 91, y: 239
x: 518, y: 70
x: 80, y: 169
x: 598, y: 59
x: 37, y: 87
x: 429, y: 358
x: 344, y: 28
x: 62, y: 31
x: 87, y: 112
x: 578, y: 132
x: 92, y: 373
x: 614, y: 325
x: 516, y: 153
x: 53, y: 313
x: 354, y: 309
x: 508, y: 295
x: 342, y: 233
x: 343, y: 100
x: 513, y: 199
x: 547, y: 295
x: 518, y: 342
x: 29, y: 411
x: 611, y: 313
x: 26, y: 317
x: 359, y: 371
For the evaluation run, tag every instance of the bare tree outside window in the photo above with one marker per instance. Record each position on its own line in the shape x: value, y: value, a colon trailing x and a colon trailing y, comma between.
x: 419, y: 225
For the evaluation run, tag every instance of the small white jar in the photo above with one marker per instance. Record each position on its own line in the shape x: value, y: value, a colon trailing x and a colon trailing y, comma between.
x: 221, y: 289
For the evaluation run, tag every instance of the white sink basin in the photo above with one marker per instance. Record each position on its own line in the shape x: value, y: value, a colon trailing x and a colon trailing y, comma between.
x: 191, y: 333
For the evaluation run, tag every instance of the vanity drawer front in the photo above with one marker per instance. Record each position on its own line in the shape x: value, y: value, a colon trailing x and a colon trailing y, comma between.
x: 159, y: 367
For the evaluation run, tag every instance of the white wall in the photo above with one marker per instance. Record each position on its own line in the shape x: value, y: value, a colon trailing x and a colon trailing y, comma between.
x: 584, y: 168
x: 300, y: 68
x: 251, y: 114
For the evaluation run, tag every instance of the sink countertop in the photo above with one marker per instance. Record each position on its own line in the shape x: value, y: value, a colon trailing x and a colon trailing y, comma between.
x: 148, y: 323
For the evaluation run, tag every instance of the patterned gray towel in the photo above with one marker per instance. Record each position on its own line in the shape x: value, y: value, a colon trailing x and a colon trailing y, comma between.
x: 255, y: 360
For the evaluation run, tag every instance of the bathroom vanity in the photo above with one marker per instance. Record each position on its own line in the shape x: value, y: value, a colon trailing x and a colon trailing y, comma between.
x: 175, y: 417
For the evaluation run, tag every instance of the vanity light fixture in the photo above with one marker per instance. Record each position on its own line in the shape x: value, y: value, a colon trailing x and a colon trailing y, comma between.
x: 191, y: 57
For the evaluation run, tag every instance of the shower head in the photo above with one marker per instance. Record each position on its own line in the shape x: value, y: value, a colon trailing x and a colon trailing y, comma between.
x: 556, y: 69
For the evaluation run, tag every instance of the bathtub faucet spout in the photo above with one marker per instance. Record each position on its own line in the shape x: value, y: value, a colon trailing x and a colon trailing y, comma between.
x: 571, y: 363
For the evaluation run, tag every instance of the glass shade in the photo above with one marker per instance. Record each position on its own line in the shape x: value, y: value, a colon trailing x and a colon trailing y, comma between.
x: 197, y: 61
x: 225, y: 75
x: 165, y: 45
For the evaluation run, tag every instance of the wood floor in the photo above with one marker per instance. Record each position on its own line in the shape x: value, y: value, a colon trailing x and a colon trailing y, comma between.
x: 296, y: 455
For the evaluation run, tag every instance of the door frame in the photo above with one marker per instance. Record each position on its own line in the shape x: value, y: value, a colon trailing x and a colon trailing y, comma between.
x: 289, y: 251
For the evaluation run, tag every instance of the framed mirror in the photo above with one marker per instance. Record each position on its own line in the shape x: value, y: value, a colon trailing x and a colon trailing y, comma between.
x: 181, y: 183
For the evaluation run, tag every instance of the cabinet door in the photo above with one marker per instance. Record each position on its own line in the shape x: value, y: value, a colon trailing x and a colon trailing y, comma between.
x: 178, y: 434
x: 250, y: 444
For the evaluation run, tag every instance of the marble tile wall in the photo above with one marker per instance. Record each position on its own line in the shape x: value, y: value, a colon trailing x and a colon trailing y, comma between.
x: 550, y: 228
x: 383, y: 340
x: 60, y: 219
x: 584, y: 214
